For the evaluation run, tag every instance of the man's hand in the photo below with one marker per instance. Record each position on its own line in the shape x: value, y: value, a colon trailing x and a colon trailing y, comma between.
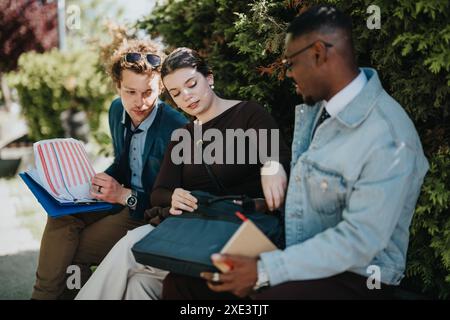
x: 240, y: 280
x: 106, y: 188
x: 274, y: 184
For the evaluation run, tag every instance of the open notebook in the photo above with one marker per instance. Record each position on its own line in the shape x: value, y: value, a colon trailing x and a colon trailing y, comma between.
x: 63, y: 169
x: 248, y: 241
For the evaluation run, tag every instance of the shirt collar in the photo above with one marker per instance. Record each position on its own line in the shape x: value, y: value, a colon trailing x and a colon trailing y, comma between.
x: 147, y: 122
x: 341, y: 99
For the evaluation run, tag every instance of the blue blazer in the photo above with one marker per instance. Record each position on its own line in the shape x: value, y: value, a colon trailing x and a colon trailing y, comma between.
x: 158, y: 137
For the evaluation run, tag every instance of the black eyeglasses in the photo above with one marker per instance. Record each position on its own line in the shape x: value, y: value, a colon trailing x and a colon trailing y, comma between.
x: 153, y: 59
x: 288, y: 64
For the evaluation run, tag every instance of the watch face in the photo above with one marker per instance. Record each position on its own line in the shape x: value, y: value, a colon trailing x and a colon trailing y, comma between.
x: 131, y: 201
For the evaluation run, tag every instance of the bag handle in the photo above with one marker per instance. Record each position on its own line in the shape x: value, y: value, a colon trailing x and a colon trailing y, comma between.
x: 219, y: 186
x: 221, y: 198
x: 248, y: 204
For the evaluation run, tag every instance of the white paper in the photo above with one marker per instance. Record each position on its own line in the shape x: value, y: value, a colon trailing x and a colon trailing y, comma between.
x: 63, y: 169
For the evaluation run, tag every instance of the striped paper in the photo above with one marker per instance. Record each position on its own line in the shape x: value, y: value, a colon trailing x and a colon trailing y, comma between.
x: 64, y: 169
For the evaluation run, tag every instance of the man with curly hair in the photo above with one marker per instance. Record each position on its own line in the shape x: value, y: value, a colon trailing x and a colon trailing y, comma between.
x: 141, y: 126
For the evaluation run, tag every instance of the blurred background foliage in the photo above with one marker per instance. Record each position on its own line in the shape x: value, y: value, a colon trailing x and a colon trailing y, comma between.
x: 52, y: 82
x: 243, y: 42
x: 24, y: 26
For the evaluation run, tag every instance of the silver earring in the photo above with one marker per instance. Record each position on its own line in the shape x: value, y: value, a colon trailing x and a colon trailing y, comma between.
x: 212, y: 86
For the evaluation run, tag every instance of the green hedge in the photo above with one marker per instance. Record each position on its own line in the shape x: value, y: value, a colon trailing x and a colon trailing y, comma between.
x: 52, y: 82
x: 243, y: 42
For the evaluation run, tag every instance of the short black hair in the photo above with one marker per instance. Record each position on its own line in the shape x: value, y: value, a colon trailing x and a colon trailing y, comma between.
x: 321, y: 18
x: 184, y: 58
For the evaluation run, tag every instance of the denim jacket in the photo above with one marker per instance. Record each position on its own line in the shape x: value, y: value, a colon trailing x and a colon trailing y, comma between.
x: 352, y: 190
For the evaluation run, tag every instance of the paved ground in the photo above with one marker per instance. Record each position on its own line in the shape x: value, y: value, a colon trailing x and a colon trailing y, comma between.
x: 22, y: 221
x: 17, y: 275
x: 21, y: 224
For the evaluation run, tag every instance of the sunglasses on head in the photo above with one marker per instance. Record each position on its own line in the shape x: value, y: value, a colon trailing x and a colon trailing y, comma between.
x: 153, y: 59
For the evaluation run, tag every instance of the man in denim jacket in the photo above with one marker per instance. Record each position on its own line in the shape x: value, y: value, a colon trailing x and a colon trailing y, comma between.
x: 356, y: 172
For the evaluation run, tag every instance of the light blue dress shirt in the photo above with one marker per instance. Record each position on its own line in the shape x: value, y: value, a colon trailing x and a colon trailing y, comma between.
x: 137, y: 146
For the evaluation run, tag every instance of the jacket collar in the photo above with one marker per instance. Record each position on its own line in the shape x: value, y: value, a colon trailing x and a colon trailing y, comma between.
x: 152, y: 132
x: 360, y: 107
x: 341, y: 99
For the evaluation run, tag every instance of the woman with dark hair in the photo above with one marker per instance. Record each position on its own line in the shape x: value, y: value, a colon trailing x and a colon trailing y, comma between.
x: 190, y: 83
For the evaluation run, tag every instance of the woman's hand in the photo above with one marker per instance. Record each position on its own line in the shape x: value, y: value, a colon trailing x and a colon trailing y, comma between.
x: 274, y: 184
x: 182, y: 200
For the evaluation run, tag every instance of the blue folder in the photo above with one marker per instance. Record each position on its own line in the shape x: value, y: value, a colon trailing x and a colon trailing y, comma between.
x: 56, y: 209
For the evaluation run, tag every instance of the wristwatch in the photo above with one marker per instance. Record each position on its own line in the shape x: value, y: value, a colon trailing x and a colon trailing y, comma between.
x: 131, y: 200
x: 263, y: 277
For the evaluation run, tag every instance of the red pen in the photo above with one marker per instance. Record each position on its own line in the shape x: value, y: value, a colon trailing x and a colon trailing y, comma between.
x: 241, y: 216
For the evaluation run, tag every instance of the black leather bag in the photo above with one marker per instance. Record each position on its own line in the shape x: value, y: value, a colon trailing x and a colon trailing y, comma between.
x: 184, y: 243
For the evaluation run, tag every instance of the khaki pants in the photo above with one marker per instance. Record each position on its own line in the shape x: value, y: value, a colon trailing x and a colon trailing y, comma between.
x: 83, y: 240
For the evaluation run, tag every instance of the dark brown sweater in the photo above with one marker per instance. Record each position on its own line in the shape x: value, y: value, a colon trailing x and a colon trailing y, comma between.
x: 237, y: 178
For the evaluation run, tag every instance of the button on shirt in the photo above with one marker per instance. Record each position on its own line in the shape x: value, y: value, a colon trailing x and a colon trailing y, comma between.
x: 137, y: 146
